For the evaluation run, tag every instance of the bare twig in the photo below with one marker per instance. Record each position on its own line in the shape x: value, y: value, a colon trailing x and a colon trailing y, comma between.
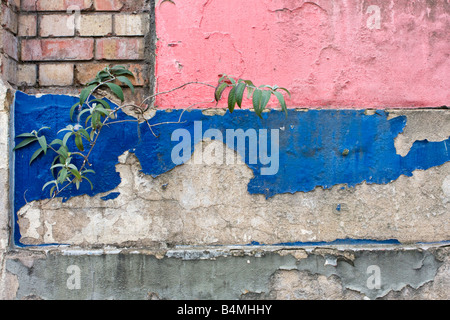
x: 174, y: 89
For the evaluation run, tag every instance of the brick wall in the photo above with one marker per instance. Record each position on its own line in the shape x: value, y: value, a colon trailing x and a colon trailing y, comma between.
x: 9, y: 39
x: 57, y: 46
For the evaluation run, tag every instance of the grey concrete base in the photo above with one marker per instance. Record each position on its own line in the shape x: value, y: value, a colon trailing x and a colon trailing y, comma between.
x: 252, y: 272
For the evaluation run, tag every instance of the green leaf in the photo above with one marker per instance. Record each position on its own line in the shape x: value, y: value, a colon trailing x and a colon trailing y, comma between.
x: 63, y: 173
x: 88, y: 171
x: 249, y: 83
x: 257, y: 95
x: 49, y: 183
x: 66, y: 137
x: 68, y: 128
x: 95, y: 120
x: 56, y: 141
x: 250, y: 91
x: 83, y: 112
x: 284, y: 89
x: 76, y: 174
x: 43, y: 142
x: 79, y: 142
x: 87, y: 120
x: 103, y: 75
x: 43, y: 128
x: 52, y: 189
x: 101, y: 110
x: 72, y: 110
x: 64, y: 153
x: 232, y: 100
x: 86, y: 92
x: 282, y: 102
x: 223, y: 77
x: 266, y: 94
x: 36, y: 154
x: 92, y: 186
x: 103, y: 102
x: 123, y: 72
x: 25, y: 143
x: 219, y: 90
x: 117, y: 90
x: 92, y: 134
x: 127, y: 82
x: 58, y: 165
x: 72, y: 166
x: 96, y: 81
x: 85, y: 134
x: 118, y: 67
x: 239, y: 93
x: 26, y: 135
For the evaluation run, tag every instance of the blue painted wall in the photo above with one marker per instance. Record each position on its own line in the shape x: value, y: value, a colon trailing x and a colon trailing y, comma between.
x: 317, y: 148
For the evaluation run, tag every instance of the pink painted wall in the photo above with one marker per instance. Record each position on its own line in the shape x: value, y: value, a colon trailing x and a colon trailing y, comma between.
x: 329, y: 53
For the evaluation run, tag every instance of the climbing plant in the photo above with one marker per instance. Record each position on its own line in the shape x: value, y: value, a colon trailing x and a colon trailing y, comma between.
x: 90, y: 115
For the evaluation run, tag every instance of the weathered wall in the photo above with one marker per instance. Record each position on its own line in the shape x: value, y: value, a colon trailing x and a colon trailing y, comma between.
x: 63, y: 44
x: 317, y: 194
x: 358, y: 206
x: 356, y: 54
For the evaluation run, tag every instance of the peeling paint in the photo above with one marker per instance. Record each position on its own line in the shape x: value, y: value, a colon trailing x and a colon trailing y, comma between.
x: 211, y: 273
x: 312, y: 169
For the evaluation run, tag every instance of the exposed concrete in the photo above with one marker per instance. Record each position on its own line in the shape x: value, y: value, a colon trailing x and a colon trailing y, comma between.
x: 196, y: 205
x: 229, y: 273
x: 5, y: 102
x: 431, y: 125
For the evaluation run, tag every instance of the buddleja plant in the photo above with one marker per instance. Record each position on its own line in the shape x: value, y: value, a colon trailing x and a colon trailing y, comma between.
x: 99, y: 113
x: 260, y: 95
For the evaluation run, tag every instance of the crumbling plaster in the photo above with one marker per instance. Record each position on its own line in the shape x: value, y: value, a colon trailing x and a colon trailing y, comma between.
x: 230, y: 273
x: 209, y: 204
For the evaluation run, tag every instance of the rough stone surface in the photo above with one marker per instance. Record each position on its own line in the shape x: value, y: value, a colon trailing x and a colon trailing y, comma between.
x: 188, y: 205
x: 227, y: 273
x: 431, y: 125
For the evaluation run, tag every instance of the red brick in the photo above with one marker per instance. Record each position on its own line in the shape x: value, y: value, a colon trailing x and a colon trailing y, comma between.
x: 57, y: 49
x: 10, y: 44
x: 54, y: 5
x: 120, y: 49
x: 108, y: 5
x: 9, y: 19
x: 85, y: 72
x: 57, y: 25
x: 27, y: 25
x: 56, y: 74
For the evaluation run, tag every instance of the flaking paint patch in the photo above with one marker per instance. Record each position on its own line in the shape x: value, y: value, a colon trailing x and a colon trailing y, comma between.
x: 421, y: 125
x: 156, y: 210
x: 311, y: 161
x: 218, y: 273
